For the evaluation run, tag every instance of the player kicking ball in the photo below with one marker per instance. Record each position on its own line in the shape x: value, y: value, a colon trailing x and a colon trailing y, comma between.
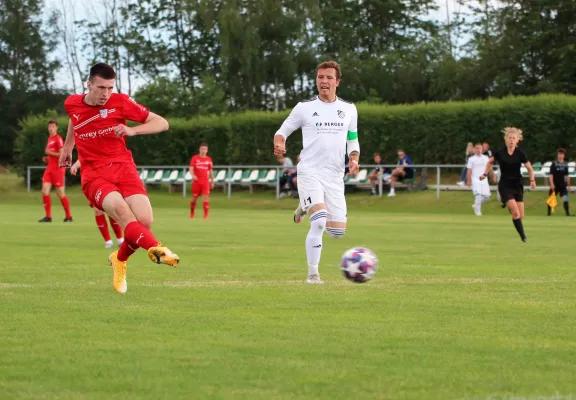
x: 202, y: 171
x: 510, y: 187
x: 54, y: 175
x: 110, y: 180
x: 481, y: 189
x: 101, y: 219
x: 329, y: 129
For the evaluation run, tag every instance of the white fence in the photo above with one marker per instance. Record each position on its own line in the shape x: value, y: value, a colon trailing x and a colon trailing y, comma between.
x: 179, y: 175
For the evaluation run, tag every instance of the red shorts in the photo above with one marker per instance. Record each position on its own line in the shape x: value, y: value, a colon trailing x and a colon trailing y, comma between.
x: 97, y: 183
x: 54, y: 176
x: 200, y: 188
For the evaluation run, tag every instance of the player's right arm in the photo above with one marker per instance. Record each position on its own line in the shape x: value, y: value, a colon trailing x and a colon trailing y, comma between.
x: 191, y: 169
x: 551, y: 176
x: 487, y: 169
x: 66, y: 155
x: 469, y: 172
x: 290, y: 124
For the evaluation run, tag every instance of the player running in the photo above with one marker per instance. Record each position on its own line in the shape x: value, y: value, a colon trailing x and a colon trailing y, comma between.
x: 101, y: 219
x: 510, y: 159
x: 54, y: 175
x: 481, y: 189
x: 201, y: 169
x: 329, y: 129
x: 110, y: 180
x: 560, y: 179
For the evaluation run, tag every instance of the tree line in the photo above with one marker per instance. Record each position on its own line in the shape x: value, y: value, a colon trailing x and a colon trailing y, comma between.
x: 197, y: 57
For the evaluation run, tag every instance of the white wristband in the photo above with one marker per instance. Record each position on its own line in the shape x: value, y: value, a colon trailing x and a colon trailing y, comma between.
x: 356, y: 162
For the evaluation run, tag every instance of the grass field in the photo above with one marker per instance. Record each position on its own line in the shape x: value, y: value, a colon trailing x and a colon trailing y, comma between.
x: 459, y: 309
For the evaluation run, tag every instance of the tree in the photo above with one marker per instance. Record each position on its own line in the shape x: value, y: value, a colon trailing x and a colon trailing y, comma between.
x: 26, y: 71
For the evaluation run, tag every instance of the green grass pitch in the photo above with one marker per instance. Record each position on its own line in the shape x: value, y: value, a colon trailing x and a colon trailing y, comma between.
x: 459, y: 308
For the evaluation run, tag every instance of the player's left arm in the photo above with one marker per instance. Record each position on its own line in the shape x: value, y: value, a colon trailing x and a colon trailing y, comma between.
x: 353, y: 145
x: 530, y: 174
x: 211, y: 176
x: 153, y: 124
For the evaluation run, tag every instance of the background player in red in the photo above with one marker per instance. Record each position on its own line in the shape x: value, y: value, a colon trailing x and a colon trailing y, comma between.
x: 110, y: 180
x: 100, y: 217
x: 201, y: 169
x: 54, y: 175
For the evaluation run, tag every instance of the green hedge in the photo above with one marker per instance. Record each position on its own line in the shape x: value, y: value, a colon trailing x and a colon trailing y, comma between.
x: 430, y: 133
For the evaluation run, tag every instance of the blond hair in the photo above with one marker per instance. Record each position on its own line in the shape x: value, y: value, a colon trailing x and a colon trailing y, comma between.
x: 509, y: 130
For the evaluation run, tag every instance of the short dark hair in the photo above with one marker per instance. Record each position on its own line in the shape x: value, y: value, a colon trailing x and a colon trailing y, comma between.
x: 485, y: 142
x: 53, y: 122
x: 400, y: 150
x: 102, y: 70
x: 377, y: 154
x: 562, y: 150
x: 203, y: 144
x: 330, y: 64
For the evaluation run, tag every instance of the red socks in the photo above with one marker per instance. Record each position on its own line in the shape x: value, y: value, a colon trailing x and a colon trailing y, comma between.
x: 47, y: 206
x: 192, y: 208
x: 116, y: 227
x: 125, y: 251
x: 66, y: 205
x: 135, y: 235
x: 206, y: 206
x: 103, y: 226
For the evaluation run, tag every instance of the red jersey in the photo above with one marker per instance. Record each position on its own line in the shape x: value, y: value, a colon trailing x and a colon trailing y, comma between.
x: 201, y: 166
x: 55, y: 144
x: 96, y: 140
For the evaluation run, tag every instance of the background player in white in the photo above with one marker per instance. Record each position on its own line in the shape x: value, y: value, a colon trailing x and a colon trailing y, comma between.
x: 329, y: 130
x: 475, y: 168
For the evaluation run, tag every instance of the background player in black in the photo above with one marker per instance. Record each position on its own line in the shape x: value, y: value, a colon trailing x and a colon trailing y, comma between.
x: 510, y: 160
x: 560, y: 180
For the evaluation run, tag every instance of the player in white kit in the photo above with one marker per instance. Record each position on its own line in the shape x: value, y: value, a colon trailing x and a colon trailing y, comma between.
x: 329, y: 130
x: 481, y: 189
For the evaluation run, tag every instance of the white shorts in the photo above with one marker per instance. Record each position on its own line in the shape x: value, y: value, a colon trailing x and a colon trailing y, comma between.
x: 314, y: 189
x: 480, y: 188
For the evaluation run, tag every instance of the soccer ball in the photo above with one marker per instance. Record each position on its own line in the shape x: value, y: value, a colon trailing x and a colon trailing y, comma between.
x: 359, y: 264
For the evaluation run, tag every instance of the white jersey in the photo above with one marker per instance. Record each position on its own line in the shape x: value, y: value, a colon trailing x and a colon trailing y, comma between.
x: 477, y: 164
x: 326, y: 128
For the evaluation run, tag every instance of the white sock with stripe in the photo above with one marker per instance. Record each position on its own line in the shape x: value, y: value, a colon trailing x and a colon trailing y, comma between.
x: 314, y: 240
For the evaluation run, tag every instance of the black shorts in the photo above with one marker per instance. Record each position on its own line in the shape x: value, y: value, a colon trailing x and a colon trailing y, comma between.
x: 511, y: 191
x: 560, y: 191
x: 409, y: 174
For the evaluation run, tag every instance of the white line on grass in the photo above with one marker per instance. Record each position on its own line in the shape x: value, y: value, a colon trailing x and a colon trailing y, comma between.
x: 216, y: 283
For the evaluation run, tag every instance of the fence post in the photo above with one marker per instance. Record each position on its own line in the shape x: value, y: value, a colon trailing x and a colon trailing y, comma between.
x: 28, y: 178
x: 437, y: 182
x: 277, y: 183
x: 229, y: 182
x: 184, y: 183
x: 380, y: 176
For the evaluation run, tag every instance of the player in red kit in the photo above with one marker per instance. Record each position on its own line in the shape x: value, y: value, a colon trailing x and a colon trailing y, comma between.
x: 110, y: 180
x: 100, y: 218
x: 54, y: 175
x: 201, y: 169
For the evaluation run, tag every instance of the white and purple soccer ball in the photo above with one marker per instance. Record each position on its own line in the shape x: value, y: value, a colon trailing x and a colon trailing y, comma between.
x: 359, y: 264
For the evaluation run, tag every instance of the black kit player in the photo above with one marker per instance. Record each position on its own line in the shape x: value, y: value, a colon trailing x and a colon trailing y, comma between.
x: 560, y: 180
x: 510, y: 159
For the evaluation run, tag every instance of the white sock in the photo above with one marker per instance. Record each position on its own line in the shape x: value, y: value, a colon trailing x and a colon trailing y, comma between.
x: 120, y: 240
x: 313, y: 269
x: 478, y: 201
x: 314, y: 240
x: 392, y: 190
